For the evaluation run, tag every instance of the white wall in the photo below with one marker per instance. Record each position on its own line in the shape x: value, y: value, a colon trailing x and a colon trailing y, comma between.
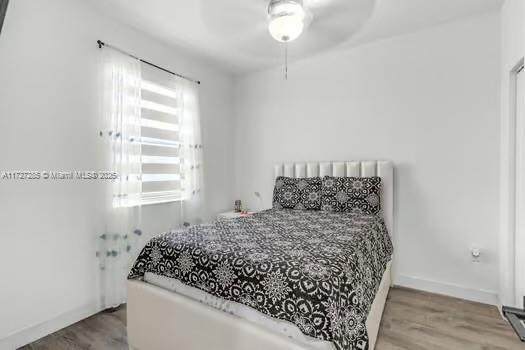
x: 429, y: 101
x: 513, y: 49
x: 48, y: 109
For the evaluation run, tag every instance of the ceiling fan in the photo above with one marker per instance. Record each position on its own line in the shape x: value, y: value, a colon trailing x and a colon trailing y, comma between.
x: 262, y: 29
x: 287, y: 20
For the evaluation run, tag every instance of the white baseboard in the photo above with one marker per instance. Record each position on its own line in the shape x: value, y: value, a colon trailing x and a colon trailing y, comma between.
x: 35, y: 332
x: 457, y: 291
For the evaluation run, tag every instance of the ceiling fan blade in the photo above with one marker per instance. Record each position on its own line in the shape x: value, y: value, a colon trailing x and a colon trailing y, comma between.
x: 315, y: 4
x: 342, y: 8
x: 233, y: 18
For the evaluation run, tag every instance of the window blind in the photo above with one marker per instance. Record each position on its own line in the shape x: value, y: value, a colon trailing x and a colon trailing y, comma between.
x: 161, y: 156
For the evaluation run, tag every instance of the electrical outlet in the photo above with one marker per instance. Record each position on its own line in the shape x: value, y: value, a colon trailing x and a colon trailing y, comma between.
x: 475, y: 254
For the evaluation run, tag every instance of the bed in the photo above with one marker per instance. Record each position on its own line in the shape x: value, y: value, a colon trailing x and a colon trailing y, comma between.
x: 280, y: 279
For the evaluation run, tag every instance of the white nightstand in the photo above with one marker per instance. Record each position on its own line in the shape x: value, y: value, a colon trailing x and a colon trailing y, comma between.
x: 233, y: 215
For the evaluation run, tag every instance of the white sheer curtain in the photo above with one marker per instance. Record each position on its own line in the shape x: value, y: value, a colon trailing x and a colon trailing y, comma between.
x: 120, y: 131
x: 192, y: 150
x: 120, y: 236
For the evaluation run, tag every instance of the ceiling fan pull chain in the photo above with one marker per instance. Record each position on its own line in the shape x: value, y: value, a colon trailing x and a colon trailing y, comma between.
x: 286, y: 60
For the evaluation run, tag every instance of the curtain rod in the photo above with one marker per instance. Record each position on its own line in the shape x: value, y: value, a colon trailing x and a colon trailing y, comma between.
x: 102, y: 44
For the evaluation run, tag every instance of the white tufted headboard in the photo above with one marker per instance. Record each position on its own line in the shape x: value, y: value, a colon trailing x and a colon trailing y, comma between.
x: 383, y: 169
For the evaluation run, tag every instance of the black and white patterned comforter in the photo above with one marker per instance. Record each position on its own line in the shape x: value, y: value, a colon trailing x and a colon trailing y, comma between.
x: 317, y: 269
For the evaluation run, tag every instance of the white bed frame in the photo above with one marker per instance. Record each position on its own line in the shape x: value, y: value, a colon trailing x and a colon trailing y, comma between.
x: 162, y: 320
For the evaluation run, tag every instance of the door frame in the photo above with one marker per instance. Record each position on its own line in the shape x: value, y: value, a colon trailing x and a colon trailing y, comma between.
x: 508, y: 194
x: 518, y: 96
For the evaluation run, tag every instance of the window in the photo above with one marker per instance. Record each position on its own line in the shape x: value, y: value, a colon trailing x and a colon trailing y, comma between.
x: 161, y: 158
x: 150, y: 127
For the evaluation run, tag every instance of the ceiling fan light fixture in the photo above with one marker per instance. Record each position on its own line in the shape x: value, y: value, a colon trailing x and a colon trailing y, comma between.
x: 286, y: 19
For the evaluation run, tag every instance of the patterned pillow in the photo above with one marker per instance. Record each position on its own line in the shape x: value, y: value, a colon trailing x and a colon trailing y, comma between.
x: 292, y: 193
x: 352, y: 194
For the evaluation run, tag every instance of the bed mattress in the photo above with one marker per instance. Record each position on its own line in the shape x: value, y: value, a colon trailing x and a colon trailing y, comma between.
x: 316, y: 270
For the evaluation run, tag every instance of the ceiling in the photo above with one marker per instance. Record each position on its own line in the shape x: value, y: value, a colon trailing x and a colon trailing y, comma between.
x: 234, y: 33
